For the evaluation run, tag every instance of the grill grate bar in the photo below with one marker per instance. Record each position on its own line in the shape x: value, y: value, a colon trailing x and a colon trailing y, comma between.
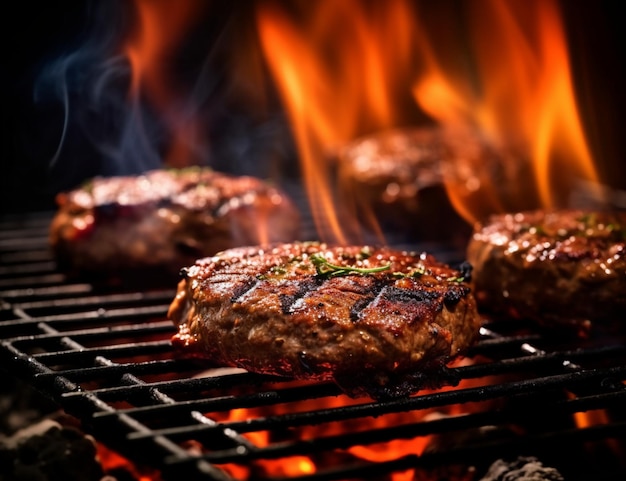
x: 101, y: 301
x: 22, y: 240
x: 406, y: 431
x: 227, y: 402
x: 314, y: 417
x: 79, y: 357
x: 21, y: 257
x: 114, y: 370
x: 53, y: 292
x: 102, y: 333
x: 29, y: 268
x: 185, y: 385
x: 42, y: 280
x: 103, y: 315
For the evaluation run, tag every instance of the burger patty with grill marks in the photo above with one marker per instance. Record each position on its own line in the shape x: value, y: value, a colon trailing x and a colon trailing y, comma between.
x: 560, y: 267
x: 376, y: 321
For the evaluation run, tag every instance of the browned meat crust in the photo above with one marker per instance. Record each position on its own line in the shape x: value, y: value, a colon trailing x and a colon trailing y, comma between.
x: 149, y: 226
x: 565, y: 266
x: 299, y: 310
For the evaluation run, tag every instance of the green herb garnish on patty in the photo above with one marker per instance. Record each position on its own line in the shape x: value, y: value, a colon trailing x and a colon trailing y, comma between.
x: 325, y: 268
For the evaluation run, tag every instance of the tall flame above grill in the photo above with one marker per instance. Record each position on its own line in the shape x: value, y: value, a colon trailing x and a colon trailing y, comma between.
x: 341, y: 68
x: 524, y: 93
x: 142, y: 84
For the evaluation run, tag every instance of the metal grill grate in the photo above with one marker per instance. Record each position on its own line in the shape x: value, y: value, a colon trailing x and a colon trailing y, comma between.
x: 105, y: 358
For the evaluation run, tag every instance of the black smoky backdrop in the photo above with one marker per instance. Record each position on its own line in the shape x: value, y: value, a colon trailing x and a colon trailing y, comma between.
x: 46, y: 151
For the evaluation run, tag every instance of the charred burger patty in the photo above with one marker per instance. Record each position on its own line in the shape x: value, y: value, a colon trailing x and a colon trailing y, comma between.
x: 149, y: 226
x: 565, y: 266
x: 375, y: 320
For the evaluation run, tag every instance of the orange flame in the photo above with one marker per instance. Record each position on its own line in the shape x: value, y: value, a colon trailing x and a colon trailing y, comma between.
x: 597, y: 417
x: 341, y: 68
x: 525, y: 95
x: 303, y: 465
x: 331, y: 62
x: 161, y: 27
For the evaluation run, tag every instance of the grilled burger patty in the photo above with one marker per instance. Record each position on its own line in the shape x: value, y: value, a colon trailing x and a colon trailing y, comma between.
x: 376, y: 321
x: 565, y: 266
x: 156, y: 223
x: 402, y: 178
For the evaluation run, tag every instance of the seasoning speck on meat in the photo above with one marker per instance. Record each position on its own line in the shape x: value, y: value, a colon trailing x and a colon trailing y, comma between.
x: 376, y: 321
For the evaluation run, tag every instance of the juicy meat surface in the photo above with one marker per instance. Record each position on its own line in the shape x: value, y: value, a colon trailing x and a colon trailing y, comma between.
x: 151, y: 225
x: 563, y: 266
x: 376, y: 321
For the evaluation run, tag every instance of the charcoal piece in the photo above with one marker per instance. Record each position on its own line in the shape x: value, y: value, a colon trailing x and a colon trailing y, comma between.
x: 56, y: 454
x: 521, y: 469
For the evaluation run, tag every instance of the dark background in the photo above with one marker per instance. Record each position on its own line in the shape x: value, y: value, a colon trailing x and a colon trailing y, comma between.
x: 34, y: 33
x: 40, y: 32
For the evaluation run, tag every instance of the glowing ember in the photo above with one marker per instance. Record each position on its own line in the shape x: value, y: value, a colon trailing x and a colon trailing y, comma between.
x: 113, y: 462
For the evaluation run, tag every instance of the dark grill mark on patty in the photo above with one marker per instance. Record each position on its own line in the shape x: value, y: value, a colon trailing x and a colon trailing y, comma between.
x: 369, y: 297
x: 405, y: 296
x: 307, y: 285
x: 359, y: 306
x: 454, y: 295
x: 243, y: 288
